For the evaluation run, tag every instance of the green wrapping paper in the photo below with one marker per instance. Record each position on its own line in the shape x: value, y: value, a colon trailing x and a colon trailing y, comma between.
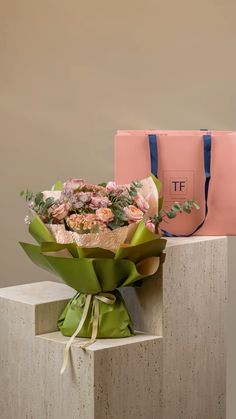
x: 94, y: 271
x: 97, y: 310
x: 114, y: 320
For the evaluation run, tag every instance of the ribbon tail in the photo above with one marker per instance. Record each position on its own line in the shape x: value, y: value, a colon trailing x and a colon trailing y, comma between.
x: 106, y: 298
x: 95, y: 325
x: 70, y: 341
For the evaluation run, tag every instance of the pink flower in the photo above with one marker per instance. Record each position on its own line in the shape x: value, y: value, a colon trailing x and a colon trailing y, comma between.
x: 98, y: 202
x: 51, y: 194
x: 111, y: 186
x: 90, y: 217
x: 105, y: 215
x: 72, y: 184
x: 95, y: 202
x: 74, y: 220
x: 141, y: 202
x: 85, y: 223
x: 133, y: 214
x: 84, y: 197
x: 150, y: 226
x: 61, y: 211
x: 89, y: 221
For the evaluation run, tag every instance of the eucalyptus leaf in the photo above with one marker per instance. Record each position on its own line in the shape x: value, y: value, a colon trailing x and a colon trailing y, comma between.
x: 176, y: 207
x: 28, y: 195
x: 113, y: 225
x: 170, y: 214
x: 196, y: 205
x: 49, y: 202
x: 38, y: 198
x: 187, y: 209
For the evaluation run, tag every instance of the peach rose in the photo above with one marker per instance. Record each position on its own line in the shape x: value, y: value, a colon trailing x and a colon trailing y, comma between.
x: 61, y: 211
x: 89, y: 221
x: 141, y: 202
x: 150, y: 226
x: 90, y: 217
x: 133, y: 214
x: 105, y: 215
x: 82, y: 222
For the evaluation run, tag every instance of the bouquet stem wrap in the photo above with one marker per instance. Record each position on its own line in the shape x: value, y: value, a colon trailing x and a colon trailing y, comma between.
x: 106, y: 298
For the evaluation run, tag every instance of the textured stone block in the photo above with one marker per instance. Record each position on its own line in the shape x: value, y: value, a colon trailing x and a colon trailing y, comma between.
x: 176, y: 370
x: 187, y: 300
x: 113, y: 379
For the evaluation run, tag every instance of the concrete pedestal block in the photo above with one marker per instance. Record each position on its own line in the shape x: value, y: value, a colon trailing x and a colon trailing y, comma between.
x: 113, y: 379
x: 186, y: 304
x: 176, y: 370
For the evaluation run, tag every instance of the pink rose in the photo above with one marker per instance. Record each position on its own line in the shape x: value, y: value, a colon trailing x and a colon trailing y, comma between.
x: 150, y: 226
x: 83, y: 197
x: 105, y: 215
x: 51, y: 194
x: 141, y: 202
x: 98, y: 201
x: 72, y: 184
x: 111, y: 186
x: 61, y: 211
x: 133, y: 214
x: 95, y: 202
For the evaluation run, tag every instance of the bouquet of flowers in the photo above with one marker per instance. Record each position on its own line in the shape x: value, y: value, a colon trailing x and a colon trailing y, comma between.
x: 98, y: 238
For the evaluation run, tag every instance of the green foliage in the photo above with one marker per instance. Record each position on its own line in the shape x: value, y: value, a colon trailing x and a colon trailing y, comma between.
x: 195, y: 205
x: 38, y: 200
x: 119, y: 202
x: 49, y: 202
x: 187, y: 207
x: 170, y: 214
x: 133, y: 189
x: 28, y: 195
x: 113, y: 224
x: 157, y: 219
x: 176, y: 209
x: 37, y: 203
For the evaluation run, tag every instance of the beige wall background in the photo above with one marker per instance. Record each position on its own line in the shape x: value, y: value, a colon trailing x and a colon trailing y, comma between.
x: 73, y: 72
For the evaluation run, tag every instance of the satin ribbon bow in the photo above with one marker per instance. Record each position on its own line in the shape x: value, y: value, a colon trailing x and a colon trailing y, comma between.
x: 106, y: 298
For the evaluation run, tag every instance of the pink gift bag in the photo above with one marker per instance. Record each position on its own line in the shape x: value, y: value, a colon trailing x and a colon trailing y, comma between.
x: 190, y: 164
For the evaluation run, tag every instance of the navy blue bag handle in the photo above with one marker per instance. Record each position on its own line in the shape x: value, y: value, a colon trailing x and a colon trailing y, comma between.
x: 153, y: 153
x: 153, y: 148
